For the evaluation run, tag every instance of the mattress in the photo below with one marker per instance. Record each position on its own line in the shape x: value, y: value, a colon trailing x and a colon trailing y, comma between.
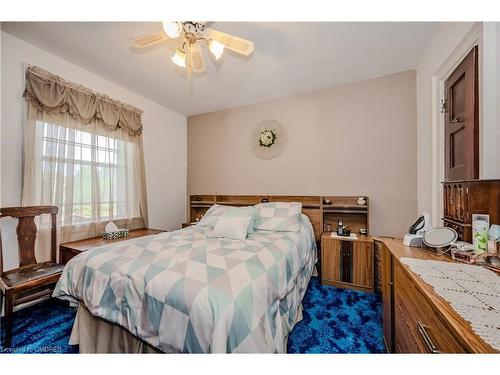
x: 185, y: 291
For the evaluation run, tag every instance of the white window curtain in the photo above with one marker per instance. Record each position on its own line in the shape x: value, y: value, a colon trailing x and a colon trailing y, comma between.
x: 92, y: 172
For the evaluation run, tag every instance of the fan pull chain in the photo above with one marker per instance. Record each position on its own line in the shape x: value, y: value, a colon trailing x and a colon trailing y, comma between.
x: 189, y: 68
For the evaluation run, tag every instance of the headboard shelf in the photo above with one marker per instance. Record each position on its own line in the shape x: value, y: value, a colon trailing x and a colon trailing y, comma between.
x: 321, y: 210
x: 349, y: 210
x: 198, y: 205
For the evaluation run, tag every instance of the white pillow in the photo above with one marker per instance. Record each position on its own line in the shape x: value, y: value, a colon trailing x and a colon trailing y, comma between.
x: 214, y: 213
x: 212, y: 216
x: 233, y: 228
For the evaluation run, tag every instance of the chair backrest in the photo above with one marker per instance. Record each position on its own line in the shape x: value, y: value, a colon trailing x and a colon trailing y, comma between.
x: 26, y: 232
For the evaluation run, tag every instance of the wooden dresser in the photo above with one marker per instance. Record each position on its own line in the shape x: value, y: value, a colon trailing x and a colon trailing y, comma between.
x: 415, y: 318
x: 461, y: 199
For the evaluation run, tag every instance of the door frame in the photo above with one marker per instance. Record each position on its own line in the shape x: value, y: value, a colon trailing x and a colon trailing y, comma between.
x: 473, y: 38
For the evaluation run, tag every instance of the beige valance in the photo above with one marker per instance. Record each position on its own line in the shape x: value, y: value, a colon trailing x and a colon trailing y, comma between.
x: 52, y: 94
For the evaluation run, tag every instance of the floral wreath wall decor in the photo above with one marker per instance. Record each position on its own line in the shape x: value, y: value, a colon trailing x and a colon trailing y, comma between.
x: 268, y: 139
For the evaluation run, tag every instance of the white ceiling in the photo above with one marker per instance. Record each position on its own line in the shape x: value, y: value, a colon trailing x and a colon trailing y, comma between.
x: 289, y: 58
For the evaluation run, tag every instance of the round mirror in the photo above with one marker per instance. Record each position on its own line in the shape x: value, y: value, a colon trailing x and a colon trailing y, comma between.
x: 440, y: 237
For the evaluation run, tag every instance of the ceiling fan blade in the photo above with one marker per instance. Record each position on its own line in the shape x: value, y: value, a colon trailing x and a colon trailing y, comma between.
x: 234, y: 43
x: 197, y: 60
x: 148, y: 40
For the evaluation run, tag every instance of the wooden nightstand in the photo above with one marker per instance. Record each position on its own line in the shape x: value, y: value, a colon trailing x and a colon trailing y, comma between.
x: 347, y: 263
x: 70, y: 249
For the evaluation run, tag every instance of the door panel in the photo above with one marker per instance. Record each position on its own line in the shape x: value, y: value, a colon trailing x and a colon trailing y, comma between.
x: 363, y: 264
x: 457, y: 102
x: 462, y: 121
x: 330, y: 262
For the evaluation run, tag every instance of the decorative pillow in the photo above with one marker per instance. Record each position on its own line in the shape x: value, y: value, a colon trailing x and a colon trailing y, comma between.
x: 278, y: 216
x: 234, y: 223
x: 214, y: 213
x: 212, y: 216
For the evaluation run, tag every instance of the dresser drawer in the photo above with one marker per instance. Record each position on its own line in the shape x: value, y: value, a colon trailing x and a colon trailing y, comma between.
x: 419, y: 328
x: 406, y: 341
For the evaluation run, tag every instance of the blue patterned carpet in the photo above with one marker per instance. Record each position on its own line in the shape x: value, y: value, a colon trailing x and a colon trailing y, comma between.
x: 338, y: 320
x: 42, y: 328
x: 335, y: 321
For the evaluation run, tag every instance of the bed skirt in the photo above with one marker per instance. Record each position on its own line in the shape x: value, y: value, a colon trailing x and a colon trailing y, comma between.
x: 96, y: 335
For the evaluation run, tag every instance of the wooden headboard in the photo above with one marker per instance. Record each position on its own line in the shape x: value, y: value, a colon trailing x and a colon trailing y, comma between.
x: 319, y: 209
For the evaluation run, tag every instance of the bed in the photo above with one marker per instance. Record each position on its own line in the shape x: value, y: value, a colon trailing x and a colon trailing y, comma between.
x: 185, y: 291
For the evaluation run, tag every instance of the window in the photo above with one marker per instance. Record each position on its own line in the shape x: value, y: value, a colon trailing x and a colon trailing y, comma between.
x: 83, y: 153
x: 90, y: 175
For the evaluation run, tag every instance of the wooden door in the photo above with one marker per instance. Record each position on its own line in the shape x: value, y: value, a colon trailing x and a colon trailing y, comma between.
x: 330, y: 260
x: 461, y: 121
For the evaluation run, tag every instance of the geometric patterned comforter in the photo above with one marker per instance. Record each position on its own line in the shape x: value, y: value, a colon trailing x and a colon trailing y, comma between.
x: 184, y: 291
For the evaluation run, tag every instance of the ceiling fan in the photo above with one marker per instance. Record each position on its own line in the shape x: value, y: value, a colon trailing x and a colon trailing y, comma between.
x: 193, y: 35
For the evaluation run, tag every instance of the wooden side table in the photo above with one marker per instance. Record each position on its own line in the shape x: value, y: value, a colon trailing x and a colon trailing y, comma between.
x: 348, y: 263
x: 71, y: 249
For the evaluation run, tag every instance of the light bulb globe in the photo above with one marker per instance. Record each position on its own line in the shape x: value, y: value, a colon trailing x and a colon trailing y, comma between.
x: 179, y: 58
x: 172, y: 29
x: 216, y: 48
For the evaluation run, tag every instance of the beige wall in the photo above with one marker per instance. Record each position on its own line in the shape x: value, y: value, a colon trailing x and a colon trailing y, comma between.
x: 355, y: 139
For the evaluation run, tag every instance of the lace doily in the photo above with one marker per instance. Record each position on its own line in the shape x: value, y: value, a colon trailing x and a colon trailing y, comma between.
x: 472, y: 291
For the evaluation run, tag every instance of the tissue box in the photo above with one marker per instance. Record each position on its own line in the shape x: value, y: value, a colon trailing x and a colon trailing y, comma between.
x: 120, y: 233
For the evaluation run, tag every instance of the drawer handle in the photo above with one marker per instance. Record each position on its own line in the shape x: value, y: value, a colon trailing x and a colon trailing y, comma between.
x: 428, y: 342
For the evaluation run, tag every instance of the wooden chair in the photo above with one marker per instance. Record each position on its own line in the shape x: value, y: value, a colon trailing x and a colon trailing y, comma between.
x: 31, y: 280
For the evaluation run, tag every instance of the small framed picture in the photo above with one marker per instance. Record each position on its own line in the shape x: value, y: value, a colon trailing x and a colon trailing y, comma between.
x: 480, y: 227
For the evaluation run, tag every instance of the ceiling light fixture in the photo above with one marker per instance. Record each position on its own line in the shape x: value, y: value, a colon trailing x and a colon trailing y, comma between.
x: 179, y: 58
x: 172, y: 29
x: 216, y: 48
x: 193, y: 35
